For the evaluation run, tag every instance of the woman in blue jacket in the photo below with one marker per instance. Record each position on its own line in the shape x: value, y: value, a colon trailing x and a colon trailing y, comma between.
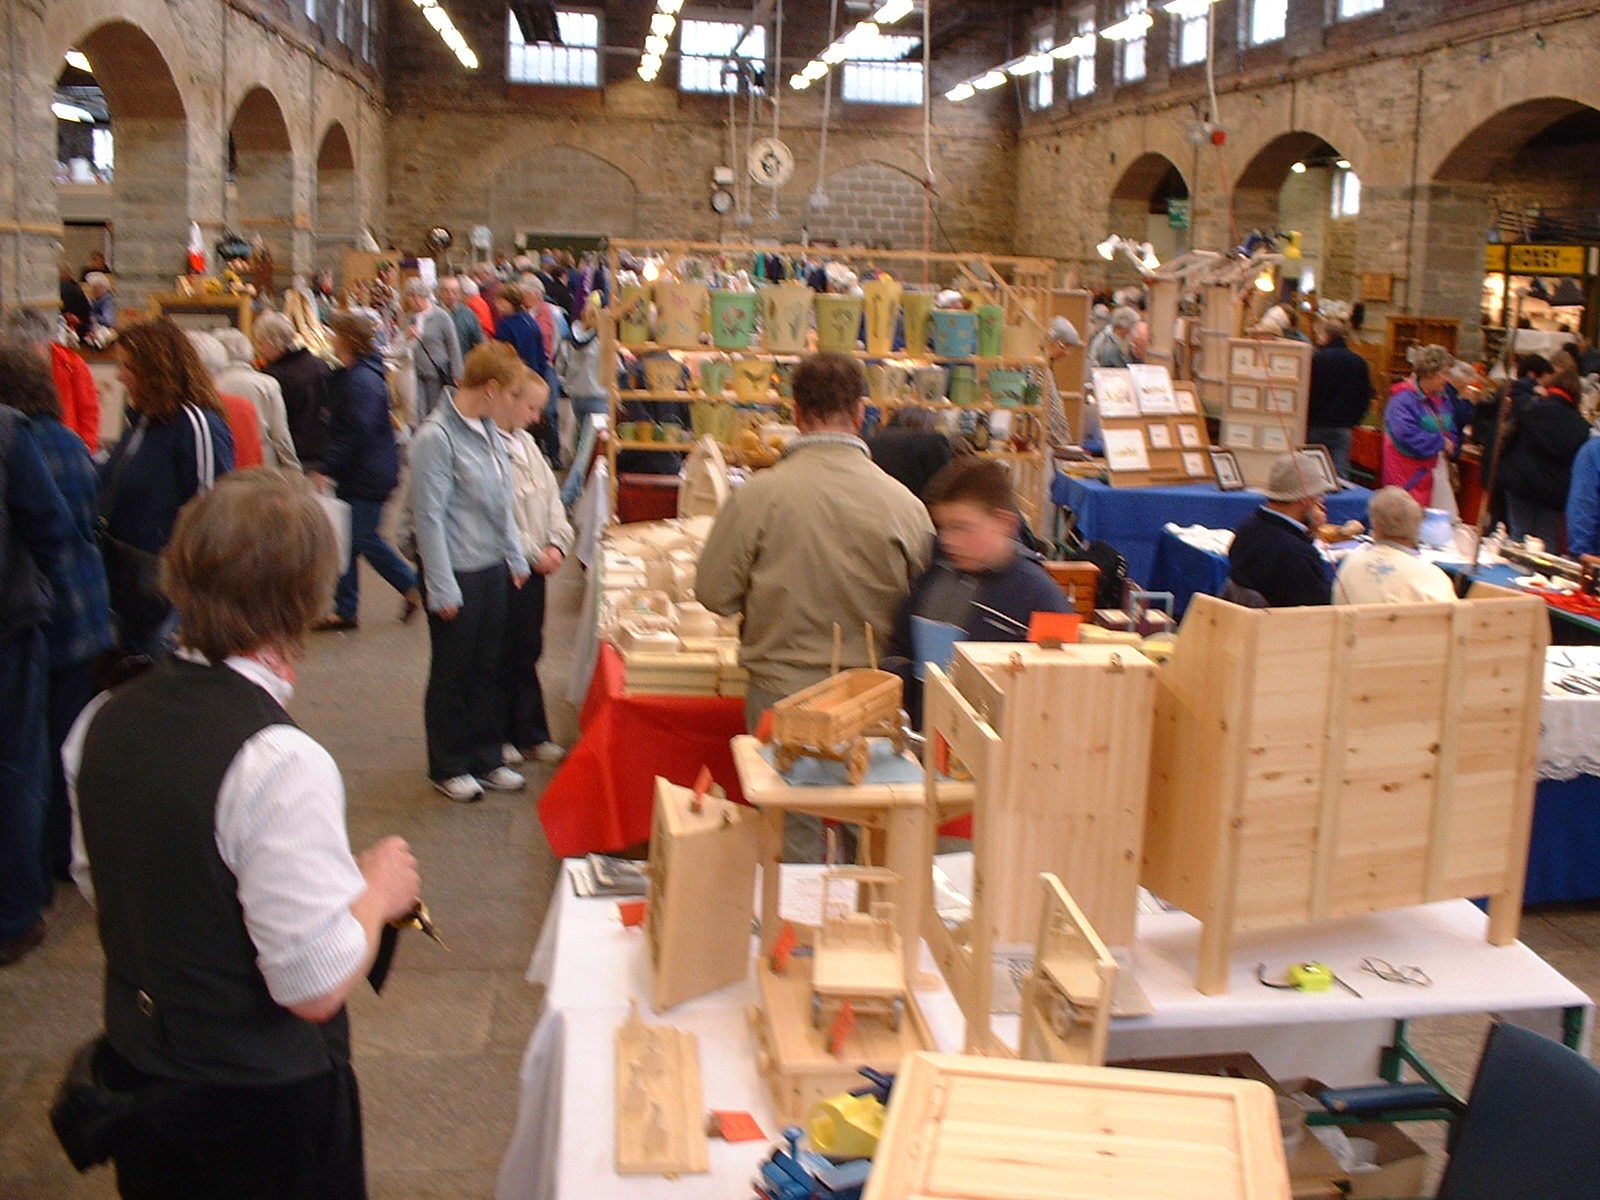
x: 364, y: 463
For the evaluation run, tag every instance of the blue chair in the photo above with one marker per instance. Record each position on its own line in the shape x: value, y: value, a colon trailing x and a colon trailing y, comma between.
x: 1532, y: 1129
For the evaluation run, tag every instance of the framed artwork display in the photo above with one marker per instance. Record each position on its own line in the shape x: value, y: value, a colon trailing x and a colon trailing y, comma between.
x: 1245, y: 397
x: 1153, y: 386
x: 1281, y: 400
x: 1190, y: 437
x: 1244, y: 361
x: 1283, y: 366
x: 1188, y: 403
x: 1239, y: 437
x: 1125, y: 449
x: 1194, y: 466
x: 1273, y: 439
x: 1160, y: 437
x: 1113, y: 393
x: 1328, y: 476
x: 1226, y: 466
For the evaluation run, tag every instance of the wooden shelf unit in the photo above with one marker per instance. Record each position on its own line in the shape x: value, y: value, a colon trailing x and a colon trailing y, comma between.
x: 1405, y: 332
x: 1023, y: 287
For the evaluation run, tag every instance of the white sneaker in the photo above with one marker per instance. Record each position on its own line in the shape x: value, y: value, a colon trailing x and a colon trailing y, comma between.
x: 463, y: 789
x: 549, y: 752
x: 510, y: 755
x: 503, y: 779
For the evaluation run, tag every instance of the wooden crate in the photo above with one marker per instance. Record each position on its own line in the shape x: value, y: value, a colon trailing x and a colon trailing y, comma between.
x: 1313, y: 763
x: 702, y: 894
x: 980, y: 1129
x: 1057, y: 743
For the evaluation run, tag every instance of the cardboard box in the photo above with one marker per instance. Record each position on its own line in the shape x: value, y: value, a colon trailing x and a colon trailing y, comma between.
x: 1402, y: 1164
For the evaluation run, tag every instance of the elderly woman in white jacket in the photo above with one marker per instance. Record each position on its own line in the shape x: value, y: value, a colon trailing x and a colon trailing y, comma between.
x: 546, y: 539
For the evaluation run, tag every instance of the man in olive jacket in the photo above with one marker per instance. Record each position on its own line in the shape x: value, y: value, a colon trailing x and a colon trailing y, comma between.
x: 822, y: 538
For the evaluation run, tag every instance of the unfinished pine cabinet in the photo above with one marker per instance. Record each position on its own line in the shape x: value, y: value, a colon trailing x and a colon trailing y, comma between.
x: 1057, y: 744
x: 985, y: 1129
x: 702, y: 893
x: 1314, y: 763
x: 1066, y: 998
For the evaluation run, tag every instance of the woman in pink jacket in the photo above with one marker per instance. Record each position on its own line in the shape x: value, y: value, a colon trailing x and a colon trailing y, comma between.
x: 1418, y: 425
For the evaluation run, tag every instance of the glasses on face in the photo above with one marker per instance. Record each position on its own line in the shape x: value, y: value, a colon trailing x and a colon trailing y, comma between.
x: 1390, y: 973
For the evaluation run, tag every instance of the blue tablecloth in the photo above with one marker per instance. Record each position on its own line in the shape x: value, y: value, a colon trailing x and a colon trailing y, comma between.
x: 1131, y: 518
x: 1504, y: 575
x: 1184, y: 570
x: 1564, y: 855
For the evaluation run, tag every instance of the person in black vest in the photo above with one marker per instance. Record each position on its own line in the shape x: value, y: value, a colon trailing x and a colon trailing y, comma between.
x: 1273, y: 553
x: 209, y: 833
x: 1341, y: 392
x: 909, y: 448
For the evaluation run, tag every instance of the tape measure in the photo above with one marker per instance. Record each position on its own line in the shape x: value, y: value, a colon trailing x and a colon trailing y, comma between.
x: 1306, y: 977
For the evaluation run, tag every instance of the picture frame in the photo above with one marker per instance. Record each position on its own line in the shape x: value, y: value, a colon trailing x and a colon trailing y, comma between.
x: 1125, y: 449
x: 1194, y: 465
x: 1329, y: 475
x: 1243, y: 361
x: 1273, y: 440
x: 1282, y: 400
x: 1236, y: 436
x: 1188, y: 401
x: 1226, y: 467
x: 1190, y: 437
x: 1283, y: 366
x: 1160, y: 436
x: 1114, y: 394
x: 1246, y: 397
x: 1152, y: 384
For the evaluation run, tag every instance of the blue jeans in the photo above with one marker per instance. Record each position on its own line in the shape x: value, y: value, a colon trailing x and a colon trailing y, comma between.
x: 1337, y: 439
x: 584, y: 410
x: 367, y: 543
x: 24, y: 780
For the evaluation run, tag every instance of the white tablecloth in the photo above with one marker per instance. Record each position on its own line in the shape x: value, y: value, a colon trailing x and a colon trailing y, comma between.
x: 1569, y: 726
x: 591, y: 965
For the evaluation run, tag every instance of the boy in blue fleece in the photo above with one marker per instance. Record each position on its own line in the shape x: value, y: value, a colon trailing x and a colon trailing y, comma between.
x: 982, y: 578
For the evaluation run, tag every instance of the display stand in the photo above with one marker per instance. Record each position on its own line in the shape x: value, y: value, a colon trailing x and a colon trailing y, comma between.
x: 1005, y: 392
x: 205, y: 310
x: 1313, y: 763
x: 1152, y: 428
x: 1056, y: 743
x: 1266, y: 403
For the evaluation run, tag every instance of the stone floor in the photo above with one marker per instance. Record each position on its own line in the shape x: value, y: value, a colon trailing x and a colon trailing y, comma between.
x: 438, y: 1053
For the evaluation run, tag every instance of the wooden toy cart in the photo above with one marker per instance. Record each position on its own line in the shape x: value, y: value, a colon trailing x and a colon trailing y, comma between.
x: 857, y: 956
x: 834, y: 718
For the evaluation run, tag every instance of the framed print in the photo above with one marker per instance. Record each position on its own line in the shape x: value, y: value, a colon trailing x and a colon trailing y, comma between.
x: 1125, y: 450
x: 1244, y: 396
x: 1153, y: 386
x: 1226, y: 466
x: 1188, y: 402
x: 1160, y: 437
x: 1327, y: 475
x: 1283, y: 366
x: 1113, y: 393
x: 1239, y: 437
x: 1190, y: 437
x: 1273, y: 439
x: 1244, y: 361
x: 1194, y: 465
x: 1281, y: 400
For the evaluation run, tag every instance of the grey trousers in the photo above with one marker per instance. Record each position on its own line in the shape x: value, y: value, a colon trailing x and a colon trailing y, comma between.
x: 803, y: 837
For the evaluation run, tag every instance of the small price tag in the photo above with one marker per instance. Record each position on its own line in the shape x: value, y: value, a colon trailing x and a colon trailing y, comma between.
x: 632, y: 912
x: 844, y: 1024
x: 764, y: 726
x: 735, y: 1127
x: 702, y: 785
x: 783, y: 948
x: 941, y: 755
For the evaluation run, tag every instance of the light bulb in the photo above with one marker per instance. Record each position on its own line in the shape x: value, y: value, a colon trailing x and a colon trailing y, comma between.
x: 1299, y: 168
x: 1264, y: 282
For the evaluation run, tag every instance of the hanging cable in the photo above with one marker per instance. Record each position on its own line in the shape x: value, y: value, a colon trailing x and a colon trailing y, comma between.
x: 927, y: 138
x: 775, y: 92
x: 827, y: 110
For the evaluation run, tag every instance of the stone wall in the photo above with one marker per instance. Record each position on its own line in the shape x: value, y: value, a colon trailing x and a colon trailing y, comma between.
x: 636, y: 159
x: 179, y: 76
x: 1430, y: 100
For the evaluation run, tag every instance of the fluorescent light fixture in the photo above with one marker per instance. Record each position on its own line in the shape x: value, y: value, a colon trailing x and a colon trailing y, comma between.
x: 815, y: 70
x: 71, y: 112
x: 670, y: 7
x: 655, y: 45
x: 1187, y: 8
x: 1299, y: 168
x: 891, y: 11
x: 799, y: 82
x: 1343, y: 164
x: 836, y: 53
x: 961, y: 91
x: 662, y: 24
x: 1031, y: 65
x: 1128, y: 28
x: 1081, y: 46
x: 77, y: 58
x: 987, y: 82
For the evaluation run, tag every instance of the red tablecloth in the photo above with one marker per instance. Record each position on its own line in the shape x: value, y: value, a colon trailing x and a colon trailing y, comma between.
x: 600, y: 800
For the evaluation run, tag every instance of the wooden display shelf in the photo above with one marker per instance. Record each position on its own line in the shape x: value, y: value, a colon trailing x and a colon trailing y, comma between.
x: 775, y: 399
x: 922, y: 360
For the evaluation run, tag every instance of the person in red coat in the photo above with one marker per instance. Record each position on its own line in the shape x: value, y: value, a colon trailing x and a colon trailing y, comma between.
x: 244, y: 419
x: 80, y: 398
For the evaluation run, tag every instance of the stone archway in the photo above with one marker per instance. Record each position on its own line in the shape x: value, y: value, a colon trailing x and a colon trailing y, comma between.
x: 1138, y: 206
x: 150, y: 133
x: 1535, y: 153
x: 1293, y: 185
x: 559, y: 190
x: 336, y: 218
x: 261, y: 176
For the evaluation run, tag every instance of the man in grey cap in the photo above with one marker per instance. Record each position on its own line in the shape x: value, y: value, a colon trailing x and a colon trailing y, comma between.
x: 1273, y: 552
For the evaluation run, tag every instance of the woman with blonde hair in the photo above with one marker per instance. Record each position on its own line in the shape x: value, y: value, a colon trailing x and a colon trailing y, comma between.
x: 176, y: 445
x: 472, y: 555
